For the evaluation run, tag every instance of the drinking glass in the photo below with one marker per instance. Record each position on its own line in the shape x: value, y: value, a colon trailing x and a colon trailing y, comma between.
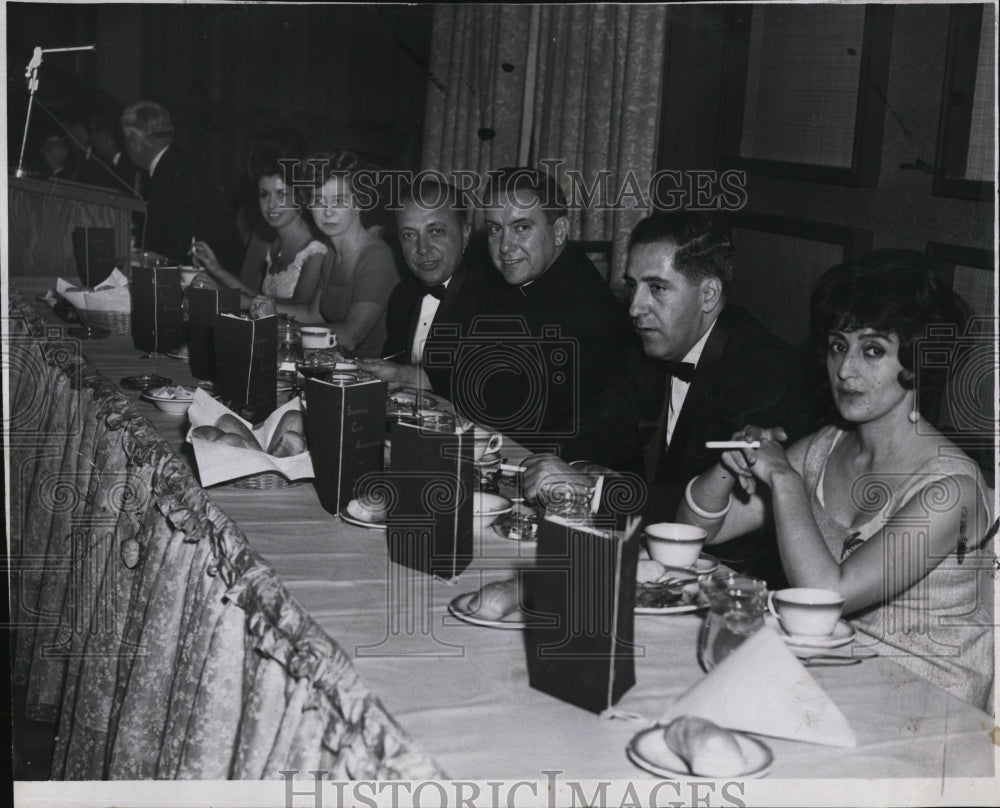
x: 735, y: 611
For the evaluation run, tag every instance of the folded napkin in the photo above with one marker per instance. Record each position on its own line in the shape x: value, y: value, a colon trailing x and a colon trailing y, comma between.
x: 218, y: 462
x: 761, y: 687
x: 111, y: 294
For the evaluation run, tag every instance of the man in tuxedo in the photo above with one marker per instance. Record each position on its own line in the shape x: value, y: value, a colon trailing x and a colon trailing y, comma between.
x: 111, y: 168
x: 442, y: 294
x: 183, y: 202
x: 707, y: 368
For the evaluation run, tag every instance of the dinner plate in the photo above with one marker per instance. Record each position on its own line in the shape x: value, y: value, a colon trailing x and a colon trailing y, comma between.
x: 648, y: 750
x: 458, y: 606
x: 690, y: 602
x: 187, y: 394
x: 842, y: 635
x: 346, y: 517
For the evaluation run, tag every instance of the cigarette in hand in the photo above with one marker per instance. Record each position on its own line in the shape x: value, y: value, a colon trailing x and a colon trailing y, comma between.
x: 513, y: 468
x: 732, y: 444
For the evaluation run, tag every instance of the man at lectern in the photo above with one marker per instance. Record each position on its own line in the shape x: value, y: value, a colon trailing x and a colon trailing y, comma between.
x: 183, y: 202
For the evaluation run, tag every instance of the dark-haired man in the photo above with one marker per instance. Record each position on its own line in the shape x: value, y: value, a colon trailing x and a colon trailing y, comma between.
x: 565, y: 332
x: 707, y: 368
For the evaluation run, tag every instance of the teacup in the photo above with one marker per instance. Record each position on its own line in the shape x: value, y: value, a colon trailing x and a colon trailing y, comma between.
x: 673, y: 544
x: 317, y: 338
x: 485, y: 443
x: 806, y: 612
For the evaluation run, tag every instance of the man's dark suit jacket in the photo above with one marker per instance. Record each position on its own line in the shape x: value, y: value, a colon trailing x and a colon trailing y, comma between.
x: 745, y: 375
x: 182, y: 201
x: 468, y: 286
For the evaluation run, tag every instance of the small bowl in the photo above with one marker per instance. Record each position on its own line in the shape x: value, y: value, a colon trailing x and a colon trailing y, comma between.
x: 673, y: 544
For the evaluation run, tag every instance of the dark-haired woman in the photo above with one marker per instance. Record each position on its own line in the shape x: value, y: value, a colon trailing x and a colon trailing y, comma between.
x: 358, y: 274
x: 880, y: 506
x: 289, y: 267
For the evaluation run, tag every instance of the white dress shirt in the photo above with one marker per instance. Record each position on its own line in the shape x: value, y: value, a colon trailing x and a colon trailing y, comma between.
x: 156, y: 161
x: 428, y: 308
x: 679, y: 388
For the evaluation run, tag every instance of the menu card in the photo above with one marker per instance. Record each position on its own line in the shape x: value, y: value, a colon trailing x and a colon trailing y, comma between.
x: 204, y: 305
x: 345, y: 432
x: 157, y: 319
x: 94, y: 251
x: 429, y: 525
x: 581, y: 597
x: 246, y: 359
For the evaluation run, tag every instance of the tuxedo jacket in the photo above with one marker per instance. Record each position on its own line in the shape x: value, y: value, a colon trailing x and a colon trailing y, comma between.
x: 181, y: 202
x: 745, y: 375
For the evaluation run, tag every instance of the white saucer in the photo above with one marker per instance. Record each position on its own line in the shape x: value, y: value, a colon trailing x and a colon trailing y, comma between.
x: 485, y: 504
x: 457, y: 608
x: 180, y: 353
x: 842, y: 635
x: 705, y: 565
x: 488, y: 460
x: 648, y: 750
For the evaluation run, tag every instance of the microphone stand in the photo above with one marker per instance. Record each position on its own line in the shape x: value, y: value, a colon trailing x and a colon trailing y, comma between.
x: 31, y: 74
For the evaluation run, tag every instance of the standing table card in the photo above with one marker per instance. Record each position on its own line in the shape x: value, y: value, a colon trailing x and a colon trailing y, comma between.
x: 580, y: 644
x: 94, y: 253
x: 345, y: 432
x: 204, y: 305
x: 246, y: 358
x: 429, y: 525
x: 157, y: 318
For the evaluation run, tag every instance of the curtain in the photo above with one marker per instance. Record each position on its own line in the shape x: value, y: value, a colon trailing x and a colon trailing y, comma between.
x: 572, y: 88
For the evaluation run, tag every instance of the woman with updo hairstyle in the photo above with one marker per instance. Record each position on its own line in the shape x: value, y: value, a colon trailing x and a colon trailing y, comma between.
x: 879, y: 505
x: 286, y: 267
x: 359, y: 273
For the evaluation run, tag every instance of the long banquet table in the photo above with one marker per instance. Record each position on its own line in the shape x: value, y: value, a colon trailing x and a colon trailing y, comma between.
x: 462, y: 691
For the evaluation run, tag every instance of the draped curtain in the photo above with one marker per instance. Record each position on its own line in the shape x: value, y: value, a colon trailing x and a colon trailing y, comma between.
x: 575, y: 88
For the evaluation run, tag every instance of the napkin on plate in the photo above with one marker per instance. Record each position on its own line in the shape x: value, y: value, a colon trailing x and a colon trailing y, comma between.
x: 111, y: 294
x: 762, y: 688
x: 218, y: 463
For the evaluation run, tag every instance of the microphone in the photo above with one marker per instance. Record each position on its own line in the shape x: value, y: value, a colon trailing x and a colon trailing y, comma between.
x: 31, y: 74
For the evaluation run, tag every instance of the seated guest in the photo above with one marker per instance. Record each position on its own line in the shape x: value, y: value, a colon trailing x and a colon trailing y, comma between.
x: 878, y: 506
x: 290, y: 264
x: 443, y: 287
x: 182, y: 201
x: 58, y: 163
x: 554, y: 334
x: 106, y: 163
x: 706, y: 368
x: 357, y: 275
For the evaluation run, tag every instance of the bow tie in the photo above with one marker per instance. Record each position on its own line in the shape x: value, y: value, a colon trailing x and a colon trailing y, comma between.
x: 681, y: 370
x: 437, y: 291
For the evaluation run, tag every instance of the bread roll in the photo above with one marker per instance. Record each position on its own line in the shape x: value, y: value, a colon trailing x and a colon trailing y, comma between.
x: 707, y: 749
x: 494, y: 601
x: 234, y: 426
x: 290, y: 443
x: 207, y: 432
x: 238, y: 441
x: 291, y: 421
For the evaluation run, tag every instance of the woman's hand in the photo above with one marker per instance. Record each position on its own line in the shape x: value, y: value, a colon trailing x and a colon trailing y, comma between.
x: 750, y: 465
x: 205, y: 256
x: 260, y: 306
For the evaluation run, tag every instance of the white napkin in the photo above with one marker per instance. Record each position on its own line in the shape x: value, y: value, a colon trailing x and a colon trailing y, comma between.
x: 218, y: 462
x: 762, y: 688
x: 112, y: 294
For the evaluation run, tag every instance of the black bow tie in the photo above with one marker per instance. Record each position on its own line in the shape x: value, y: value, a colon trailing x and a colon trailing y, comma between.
x: 437, y: 291
x: 681, y: 370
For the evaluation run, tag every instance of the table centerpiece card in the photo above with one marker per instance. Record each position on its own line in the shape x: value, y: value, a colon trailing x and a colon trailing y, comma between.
x: 581, y: 596
x: 94, y: 253
x: 204, y: 305
x: 345, y: 431
x: 157, y: 317
x: 429, y: 524
x: 246, y: 359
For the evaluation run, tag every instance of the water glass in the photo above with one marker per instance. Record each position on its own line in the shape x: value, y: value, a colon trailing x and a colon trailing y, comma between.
x: 735, y: 611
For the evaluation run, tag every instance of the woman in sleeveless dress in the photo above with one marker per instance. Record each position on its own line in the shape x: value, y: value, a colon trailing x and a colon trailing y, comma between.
x: 288, y: 266
x: 357, y: 275
x: 878, y: 506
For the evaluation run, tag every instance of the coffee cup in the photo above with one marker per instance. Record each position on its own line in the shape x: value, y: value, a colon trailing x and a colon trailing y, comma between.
x: 674, y: 544
x: 317, y: 338
x: 806, y: 612
x: 485, y: 443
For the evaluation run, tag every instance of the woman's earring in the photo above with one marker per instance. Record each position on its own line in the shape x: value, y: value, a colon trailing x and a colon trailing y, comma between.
x: 914, y: 416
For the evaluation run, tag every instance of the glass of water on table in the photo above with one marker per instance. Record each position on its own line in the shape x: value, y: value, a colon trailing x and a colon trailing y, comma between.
x: 735, y: 611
